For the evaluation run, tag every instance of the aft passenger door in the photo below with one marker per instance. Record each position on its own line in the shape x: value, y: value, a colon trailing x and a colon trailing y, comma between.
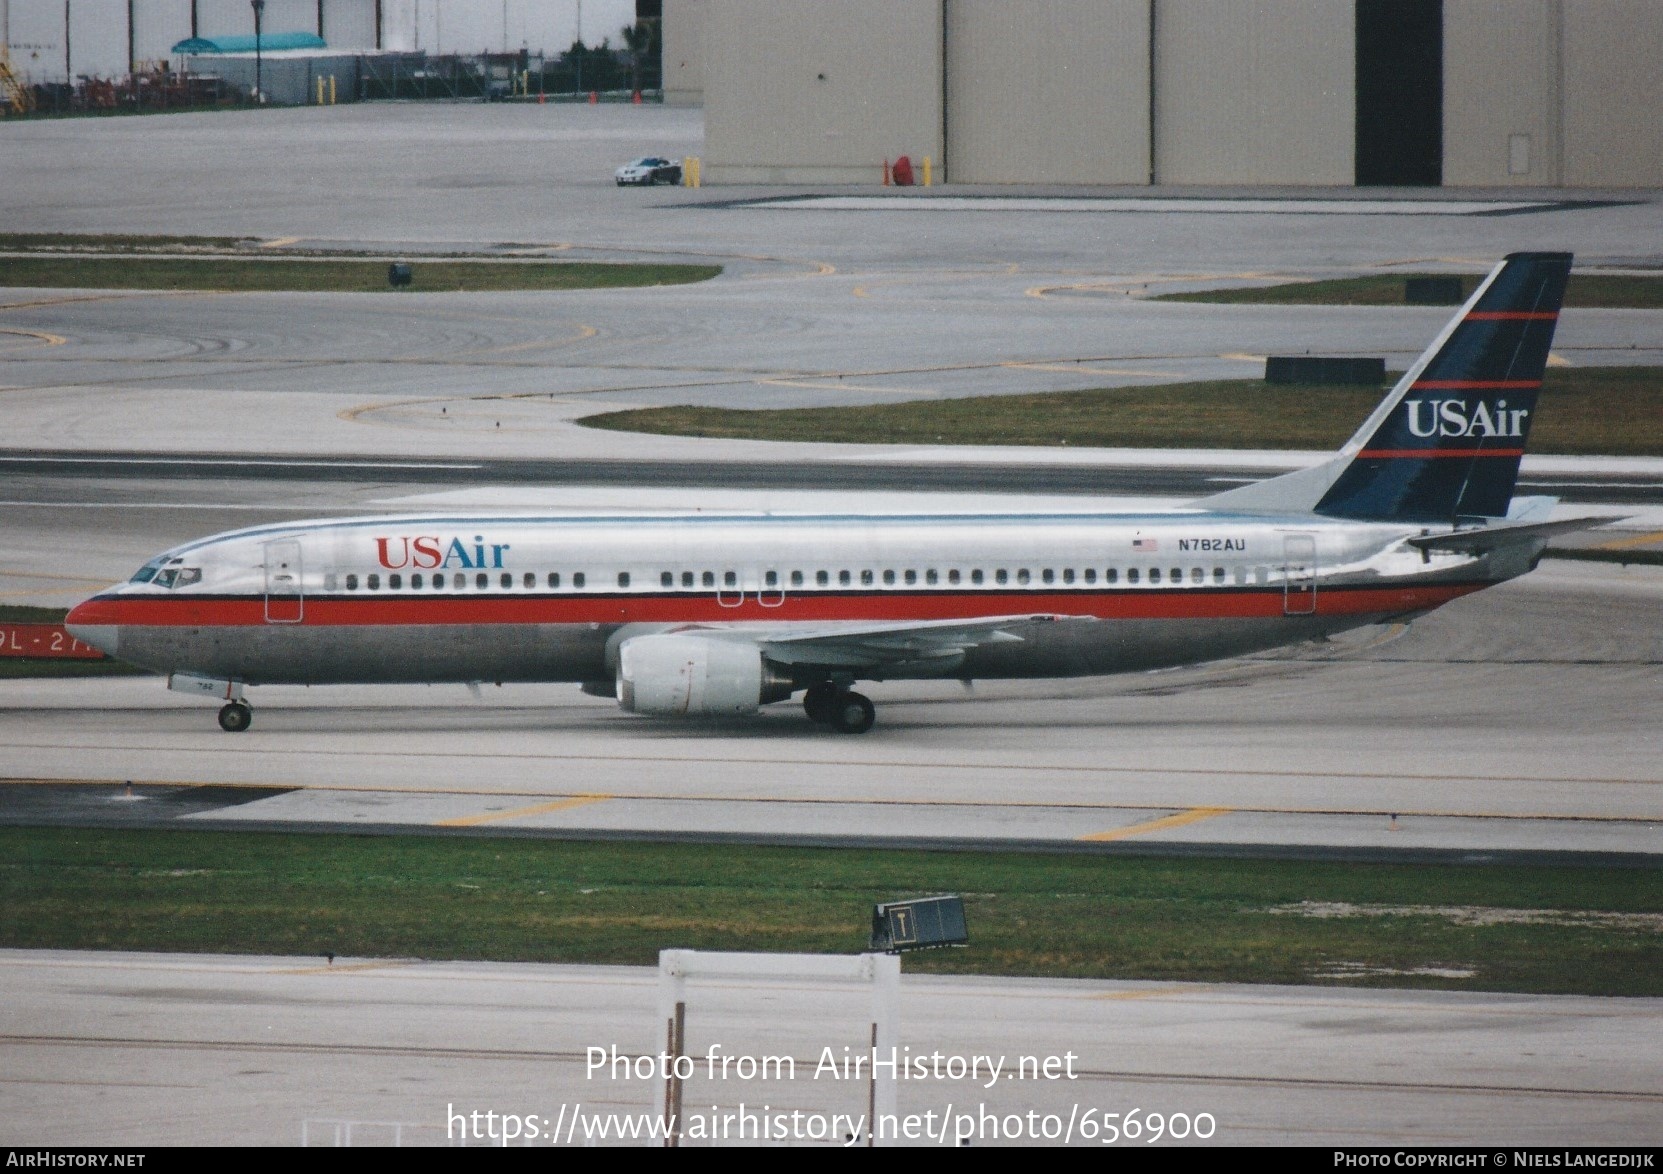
x: 285, y: 600
x: 1299, y: 574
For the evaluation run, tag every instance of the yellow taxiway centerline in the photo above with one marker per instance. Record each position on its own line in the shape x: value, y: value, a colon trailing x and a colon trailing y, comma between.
x: 1193, y: 815
x: 1637, y: 540
x: 468, y: 821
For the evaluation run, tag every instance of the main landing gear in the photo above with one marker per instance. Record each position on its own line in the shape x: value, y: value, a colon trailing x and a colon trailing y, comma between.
x: 844, y: 711
x: 235, y: 717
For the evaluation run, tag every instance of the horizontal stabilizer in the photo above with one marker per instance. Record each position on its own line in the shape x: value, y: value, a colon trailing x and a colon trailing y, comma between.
x: 1482, y: 541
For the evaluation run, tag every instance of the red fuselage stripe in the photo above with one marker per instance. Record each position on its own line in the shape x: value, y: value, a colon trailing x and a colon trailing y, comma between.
x: 894, y: 607
x: 1437, y: 453
x: 1476, y: 384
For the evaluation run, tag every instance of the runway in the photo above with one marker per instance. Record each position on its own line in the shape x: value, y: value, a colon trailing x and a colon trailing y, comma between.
x: 1517, y: 721
x: 64, y: 478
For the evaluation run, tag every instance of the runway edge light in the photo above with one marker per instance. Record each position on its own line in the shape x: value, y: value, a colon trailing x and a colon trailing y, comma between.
x: 924, y: 923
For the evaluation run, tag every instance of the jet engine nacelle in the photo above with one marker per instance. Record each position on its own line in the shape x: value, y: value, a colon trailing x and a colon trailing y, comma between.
x: 695, y: 676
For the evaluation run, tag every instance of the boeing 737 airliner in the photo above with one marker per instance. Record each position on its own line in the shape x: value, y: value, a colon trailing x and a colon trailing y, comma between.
x: 721, y: 615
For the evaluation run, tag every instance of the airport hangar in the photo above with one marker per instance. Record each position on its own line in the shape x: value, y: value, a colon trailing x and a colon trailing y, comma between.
x: 1535, y: 93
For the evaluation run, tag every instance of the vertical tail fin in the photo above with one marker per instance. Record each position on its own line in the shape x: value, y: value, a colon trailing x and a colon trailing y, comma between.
x: 1449, y: 443
x: 1445, y: 443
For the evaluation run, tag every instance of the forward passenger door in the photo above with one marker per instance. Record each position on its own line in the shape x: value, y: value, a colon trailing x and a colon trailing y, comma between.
x: 285, y: 597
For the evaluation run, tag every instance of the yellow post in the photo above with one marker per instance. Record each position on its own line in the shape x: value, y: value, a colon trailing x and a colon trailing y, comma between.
x: 687, y: 171
x: 926, y: 171
x: 331, y: 89
x: 698, y: 172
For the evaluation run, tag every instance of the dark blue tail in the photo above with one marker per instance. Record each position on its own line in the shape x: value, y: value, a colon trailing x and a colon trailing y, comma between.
x: 1445, y: 445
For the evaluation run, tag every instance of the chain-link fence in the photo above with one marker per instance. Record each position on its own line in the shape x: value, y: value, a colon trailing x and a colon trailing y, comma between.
x: 582, y: 73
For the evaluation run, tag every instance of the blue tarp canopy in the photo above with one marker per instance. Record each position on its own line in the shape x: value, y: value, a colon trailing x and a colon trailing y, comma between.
x: 269, y: 42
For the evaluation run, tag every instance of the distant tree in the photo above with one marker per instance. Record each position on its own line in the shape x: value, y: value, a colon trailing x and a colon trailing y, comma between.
x: 574, y: 59
x: 638, y: 37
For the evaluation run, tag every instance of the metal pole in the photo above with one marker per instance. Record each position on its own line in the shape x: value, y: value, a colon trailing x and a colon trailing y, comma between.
x: 886, y: 1016
x: 677, y: 1050
x: 259, y: 11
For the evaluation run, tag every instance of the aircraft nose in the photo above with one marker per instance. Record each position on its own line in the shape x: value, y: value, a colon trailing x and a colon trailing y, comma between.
x: 92, y: 622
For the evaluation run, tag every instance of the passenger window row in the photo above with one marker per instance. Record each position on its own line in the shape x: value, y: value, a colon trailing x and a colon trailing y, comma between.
x: 456, y: 581
x: 865, y: 577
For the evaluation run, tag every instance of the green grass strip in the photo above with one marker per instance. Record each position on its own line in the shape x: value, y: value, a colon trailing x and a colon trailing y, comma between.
x: 120, y: 242
x: 1028, y: 914
x: 22, y: 613
x: 1612, y: 411
x: 275, y: 274
x: 30, y: 668
x: 1586, y: 291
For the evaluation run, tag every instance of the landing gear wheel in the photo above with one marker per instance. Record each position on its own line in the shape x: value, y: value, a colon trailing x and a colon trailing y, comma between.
x: 235, y: 717
x: 818, y: 702
x: 852, y: 714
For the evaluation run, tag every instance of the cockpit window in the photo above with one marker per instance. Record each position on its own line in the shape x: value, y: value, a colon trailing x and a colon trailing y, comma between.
x: 147, y: 572
x: 165, y: 572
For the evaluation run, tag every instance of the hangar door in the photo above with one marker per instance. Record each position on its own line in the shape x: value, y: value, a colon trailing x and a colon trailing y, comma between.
x: 1400, y: 93
x: 1053, y: 92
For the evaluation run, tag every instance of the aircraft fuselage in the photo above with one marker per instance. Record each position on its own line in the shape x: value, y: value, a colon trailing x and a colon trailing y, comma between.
x: 546, y: 599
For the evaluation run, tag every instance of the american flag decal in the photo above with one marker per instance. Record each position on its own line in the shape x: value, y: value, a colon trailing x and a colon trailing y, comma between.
x: 1146, y: 545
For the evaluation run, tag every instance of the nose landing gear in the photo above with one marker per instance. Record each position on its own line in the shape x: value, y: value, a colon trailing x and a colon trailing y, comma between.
x: 235, y: 717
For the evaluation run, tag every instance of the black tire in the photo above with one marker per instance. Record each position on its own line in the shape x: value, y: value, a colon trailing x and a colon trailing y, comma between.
x: 818, y: 703
x: 852, y: 714
x: 235, y: 717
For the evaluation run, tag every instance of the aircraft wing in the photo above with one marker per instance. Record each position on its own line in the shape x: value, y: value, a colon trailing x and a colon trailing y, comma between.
x: 875, y: 645
x: 1488, y: 538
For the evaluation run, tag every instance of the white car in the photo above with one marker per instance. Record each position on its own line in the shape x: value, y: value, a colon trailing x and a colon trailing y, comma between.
x: 648, y: 171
